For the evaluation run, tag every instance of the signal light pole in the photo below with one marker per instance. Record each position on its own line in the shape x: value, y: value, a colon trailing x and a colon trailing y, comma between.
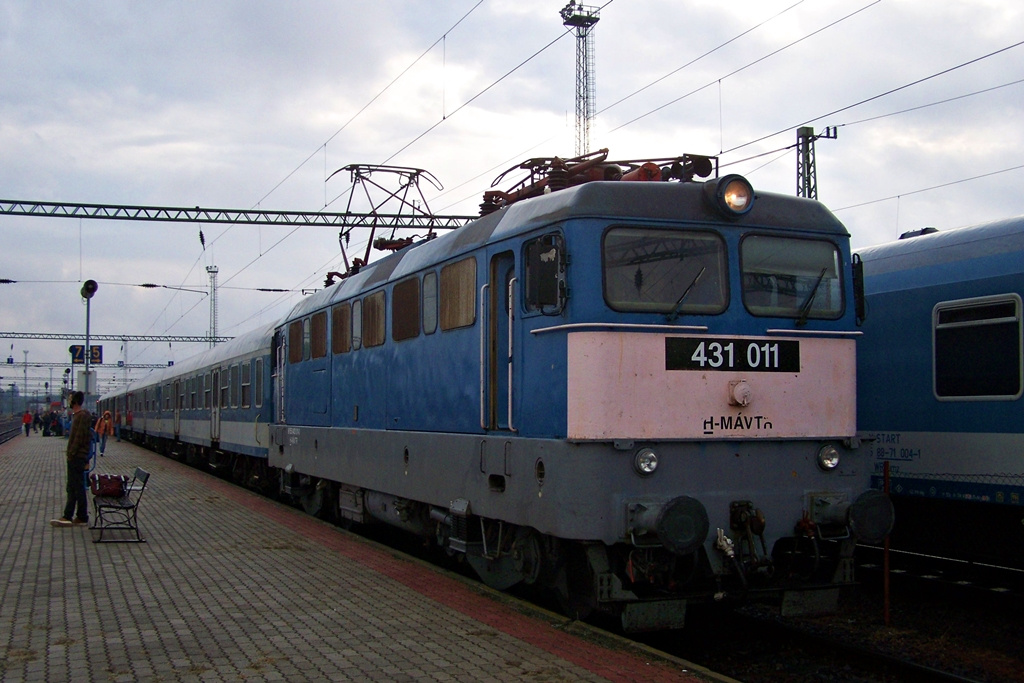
x: 88, y: 289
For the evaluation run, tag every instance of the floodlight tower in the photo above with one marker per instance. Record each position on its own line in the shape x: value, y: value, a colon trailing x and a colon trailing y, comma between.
x: 213, y: 270
x: 582, y: 19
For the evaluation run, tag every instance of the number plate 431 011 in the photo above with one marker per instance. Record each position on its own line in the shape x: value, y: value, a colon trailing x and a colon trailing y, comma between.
x: 743, y: 355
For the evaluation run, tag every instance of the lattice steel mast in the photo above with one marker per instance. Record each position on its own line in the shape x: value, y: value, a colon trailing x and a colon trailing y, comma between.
x: 582, y: 20
x: 806, y: 167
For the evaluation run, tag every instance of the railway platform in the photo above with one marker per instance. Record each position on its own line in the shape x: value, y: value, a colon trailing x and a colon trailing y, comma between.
x: 231, y: 586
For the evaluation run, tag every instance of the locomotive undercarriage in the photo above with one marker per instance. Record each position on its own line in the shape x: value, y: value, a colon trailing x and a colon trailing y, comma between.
x: 646, y: 585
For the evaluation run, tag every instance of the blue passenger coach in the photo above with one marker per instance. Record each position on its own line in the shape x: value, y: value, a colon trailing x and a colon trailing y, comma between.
x: 207, y: 408
x: 940, y: 379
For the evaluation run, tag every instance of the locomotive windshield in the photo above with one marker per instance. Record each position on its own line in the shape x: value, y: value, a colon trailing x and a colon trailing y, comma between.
x: 665, y: 271
x: 791, y: 278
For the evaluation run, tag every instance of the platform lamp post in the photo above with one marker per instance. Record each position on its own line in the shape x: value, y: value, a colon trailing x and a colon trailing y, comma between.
x: 88, y: 289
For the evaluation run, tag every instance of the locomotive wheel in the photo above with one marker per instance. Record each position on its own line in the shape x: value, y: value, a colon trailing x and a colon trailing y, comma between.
x: 313, y: 502
x: 321, y: 502
x: 528, y: 557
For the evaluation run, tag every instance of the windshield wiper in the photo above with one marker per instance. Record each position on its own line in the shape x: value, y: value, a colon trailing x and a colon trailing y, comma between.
x: 805, y: 307
x: 679, y: 302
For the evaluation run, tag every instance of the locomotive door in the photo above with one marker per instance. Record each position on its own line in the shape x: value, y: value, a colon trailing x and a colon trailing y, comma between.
x: 215, y: 406
x: 500, y: 323
x: 176, y: 397
x: 277, y: 376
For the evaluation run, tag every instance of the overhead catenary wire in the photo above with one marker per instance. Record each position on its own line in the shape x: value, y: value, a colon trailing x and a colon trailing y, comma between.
x: 702, y: 56
x: 880, y: 95
x: 745, y: 67
x: 929, y: 189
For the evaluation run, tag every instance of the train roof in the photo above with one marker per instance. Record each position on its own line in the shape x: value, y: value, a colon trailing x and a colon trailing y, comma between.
x: 977, y: 251
x: 658, y: 201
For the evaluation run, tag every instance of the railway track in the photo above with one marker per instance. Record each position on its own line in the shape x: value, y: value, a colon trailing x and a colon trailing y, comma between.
x: 939, y: 632
x: 944, y: 627
x: 9, y: 428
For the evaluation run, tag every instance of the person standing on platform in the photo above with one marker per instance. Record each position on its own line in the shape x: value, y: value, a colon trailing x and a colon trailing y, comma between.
x: 79, y: 442
x: 117, y: 423
x: 26, y: 421
x: 104, y: 428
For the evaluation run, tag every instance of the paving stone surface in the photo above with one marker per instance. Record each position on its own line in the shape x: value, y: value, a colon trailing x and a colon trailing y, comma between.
x: 230, y: 586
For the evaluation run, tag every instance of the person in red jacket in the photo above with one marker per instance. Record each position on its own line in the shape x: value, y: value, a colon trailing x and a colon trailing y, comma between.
x: 26, y: 421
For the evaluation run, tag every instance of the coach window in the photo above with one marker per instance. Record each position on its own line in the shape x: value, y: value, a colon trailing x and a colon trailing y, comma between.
x: 665, y: 271
x: 430, y: 303
x: 207, y: 388
x: 357, y: 324
x: 978, y: 348
x: 224, y: 387
x: 785, y: 277
x: 168, y: 397
x: 458, y: 294
x: 405, y: 309
x: 246, y: 383
x: 294, y: 342
x: 235, y: 386
x: 373, y: 319
x: 319, y: 334
x: 545, y: 274
x: 259, y: 382
x: 341, y: 328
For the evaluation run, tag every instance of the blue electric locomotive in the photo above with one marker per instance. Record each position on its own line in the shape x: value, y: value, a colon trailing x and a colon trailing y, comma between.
x: 940, y: 382
x: 638, y: 393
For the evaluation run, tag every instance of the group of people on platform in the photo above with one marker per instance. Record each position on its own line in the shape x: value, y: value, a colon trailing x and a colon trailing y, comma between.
x: 53, y: 423
x: 50, y: 423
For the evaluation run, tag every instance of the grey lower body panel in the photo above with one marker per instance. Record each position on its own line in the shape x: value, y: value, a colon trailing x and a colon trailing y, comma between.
x: 576, y: 491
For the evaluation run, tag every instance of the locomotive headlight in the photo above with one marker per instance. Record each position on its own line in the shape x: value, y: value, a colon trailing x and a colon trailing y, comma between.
x: 645, y: 462
x: 732, y: 195
x: 828, y: 457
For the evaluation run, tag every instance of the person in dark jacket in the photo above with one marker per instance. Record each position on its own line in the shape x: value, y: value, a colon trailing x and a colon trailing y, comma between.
x: 79, y: 442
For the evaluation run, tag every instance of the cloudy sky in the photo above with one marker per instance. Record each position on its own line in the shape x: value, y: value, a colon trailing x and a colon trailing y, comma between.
x: 237, y: 105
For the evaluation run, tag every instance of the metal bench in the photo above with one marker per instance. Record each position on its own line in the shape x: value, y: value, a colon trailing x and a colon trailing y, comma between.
x: 121, y: 514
